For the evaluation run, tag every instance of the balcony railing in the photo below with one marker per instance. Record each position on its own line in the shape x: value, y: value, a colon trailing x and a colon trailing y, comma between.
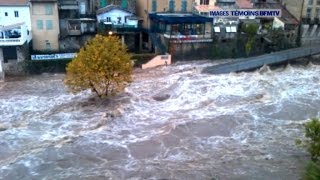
x: 200, y: 36
x: 12, y: 41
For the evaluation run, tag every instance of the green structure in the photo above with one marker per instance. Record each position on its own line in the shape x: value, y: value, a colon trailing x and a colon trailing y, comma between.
x: 103, y: 3
x: 124, y: 4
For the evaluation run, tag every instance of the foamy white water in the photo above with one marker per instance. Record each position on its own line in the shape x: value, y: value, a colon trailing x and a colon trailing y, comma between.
x: 170, y: 123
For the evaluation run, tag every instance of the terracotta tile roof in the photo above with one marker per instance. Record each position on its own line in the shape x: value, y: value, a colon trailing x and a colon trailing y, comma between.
x: 286, y: 16
x: 13, y: 2
x: 244, y: 4
x: 206, y: 8
x: 111, y: 7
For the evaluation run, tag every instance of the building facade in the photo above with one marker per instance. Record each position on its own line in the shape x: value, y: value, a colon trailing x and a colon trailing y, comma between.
x: 77, y: 21
x: 308, y: 13
x: 144, y: 7
x: 45, y: 23
x: 13, y: 12
x: 15, y: 32
x: 118, y: 21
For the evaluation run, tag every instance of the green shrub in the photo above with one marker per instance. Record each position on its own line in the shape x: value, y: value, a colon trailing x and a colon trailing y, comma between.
x: 312, y: 171
x: 312, y: 141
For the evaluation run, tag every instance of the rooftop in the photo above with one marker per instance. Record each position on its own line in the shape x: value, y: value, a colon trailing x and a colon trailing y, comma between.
x: 244, y: 4
x: 13, y: 2
x: 111, y: 7
x: 206, y: 8
x: 286, y: 16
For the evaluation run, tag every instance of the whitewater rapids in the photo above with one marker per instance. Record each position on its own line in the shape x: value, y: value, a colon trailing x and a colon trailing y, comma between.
x: 171, y: 123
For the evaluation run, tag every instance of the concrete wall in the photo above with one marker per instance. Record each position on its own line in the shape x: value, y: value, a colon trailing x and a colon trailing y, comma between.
x: 43, y: 37
x: 159, y: 60
x: 23, y: 15
x: 190, y: 51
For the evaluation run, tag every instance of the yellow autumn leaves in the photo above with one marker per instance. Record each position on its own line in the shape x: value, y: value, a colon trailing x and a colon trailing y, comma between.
x: 103, y: 65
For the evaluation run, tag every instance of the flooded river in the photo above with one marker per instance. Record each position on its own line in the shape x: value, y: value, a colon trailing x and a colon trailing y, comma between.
x: 170, y: 123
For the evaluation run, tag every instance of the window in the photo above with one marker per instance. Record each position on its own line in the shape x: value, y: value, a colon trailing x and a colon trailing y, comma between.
x: 310, y: 2
x: 204, y: 2
x: 171, y: 5
x: 49, y: 25
x: 6, y: 13
x: 309, y: 13
x: 48, y: 9
x: 154, y: 5
x: 48, y: 45
x: 16, y: 14
x: 108, y: 19
x: 318, y: 2
x: 39, y: 24
x: 184, y: 4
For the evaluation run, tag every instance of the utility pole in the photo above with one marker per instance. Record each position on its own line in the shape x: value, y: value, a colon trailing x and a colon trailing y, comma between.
x: 299, y: 37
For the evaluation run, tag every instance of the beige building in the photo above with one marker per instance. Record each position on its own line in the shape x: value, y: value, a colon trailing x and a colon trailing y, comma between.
x: 308, y: 12
x: 45, y: 25
x: 144, y: 7
x: 303, y: 8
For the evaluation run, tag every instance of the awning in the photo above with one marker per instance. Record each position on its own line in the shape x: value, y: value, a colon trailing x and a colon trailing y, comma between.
x: 179, y: 18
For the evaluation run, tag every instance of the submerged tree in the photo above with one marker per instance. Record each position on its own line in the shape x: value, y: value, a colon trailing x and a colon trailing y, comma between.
x: 103, y: 65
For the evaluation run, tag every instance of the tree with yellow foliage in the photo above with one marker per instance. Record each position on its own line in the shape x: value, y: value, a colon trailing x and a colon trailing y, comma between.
x: 103, y: 65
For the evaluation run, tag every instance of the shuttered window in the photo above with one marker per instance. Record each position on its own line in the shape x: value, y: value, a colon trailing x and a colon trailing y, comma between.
x: 171, y: 5
x: 184, y: 6
x: 154, y: 5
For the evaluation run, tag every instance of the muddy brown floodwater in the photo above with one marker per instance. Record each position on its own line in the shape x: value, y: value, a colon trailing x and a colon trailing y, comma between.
x: 170, y: 123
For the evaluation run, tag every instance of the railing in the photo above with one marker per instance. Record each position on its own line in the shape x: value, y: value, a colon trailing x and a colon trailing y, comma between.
x: 200, y: 36
x: 72, y: 32
x: 92, y: 16
x: 125, y: 28
x: 12, y: 41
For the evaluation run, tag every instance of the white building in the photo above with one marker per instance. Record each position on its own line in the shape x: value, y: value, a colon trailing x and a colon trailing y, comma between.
x: 115, y: 15
x: 14, y: 12
x: 15, y: 32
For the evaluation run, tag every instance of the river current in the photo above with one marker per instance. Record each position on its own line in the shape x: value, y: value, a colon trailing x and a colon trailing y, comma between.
x: 171, y: 123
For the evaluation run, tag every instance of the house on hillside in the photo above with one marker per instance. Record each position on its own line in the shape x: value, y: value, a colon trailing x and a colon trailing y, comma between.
x: 114, y: 20
x: 15, y: 30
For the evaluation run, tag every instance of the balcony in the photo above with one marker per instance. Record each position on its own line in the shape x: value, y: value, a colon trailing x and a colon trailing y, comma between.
x: 74, y: 28
x: 306, y: 20
x: 125, y: 28
x: 77, y: 27
x: 14, y: 35
x: 189, y: 38
x: 68, y: 5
